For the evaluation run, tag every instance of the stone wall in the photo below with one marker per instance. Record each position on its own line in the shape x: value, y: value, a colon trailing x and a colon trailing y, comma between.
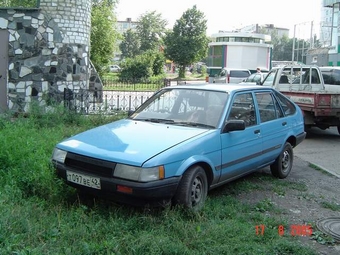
x: 48, y: 52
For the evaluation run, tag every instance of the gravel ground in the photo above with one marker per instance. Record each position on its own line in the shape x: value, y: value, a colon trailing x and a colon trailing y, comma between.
x: 306, y: 206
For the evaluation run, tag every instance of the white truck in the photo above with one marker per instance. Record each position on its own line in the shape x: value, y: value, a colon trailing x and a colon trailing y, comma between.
x: 319, y: 102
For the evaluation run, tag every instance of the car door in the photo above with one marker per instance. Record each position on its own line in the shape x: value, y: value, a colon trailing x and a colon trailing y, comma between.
x: 241, y: 150
x: 274, y: 125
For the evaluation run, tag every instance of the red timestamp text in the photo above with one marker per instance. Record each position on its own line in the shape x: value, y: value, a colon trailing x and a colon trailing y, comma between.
x: 294, y: 230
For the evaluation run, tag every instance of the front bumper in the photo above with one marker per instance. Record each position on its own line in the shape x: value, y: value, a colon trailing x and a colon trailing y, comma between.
x: 154, y: 192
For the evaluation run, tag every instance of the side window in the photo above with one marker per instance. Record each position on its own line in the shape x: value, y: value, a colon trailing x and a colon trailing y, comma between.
x: 287, y: 106
x: 315, y: 77
x: 243, y: 109
x: 268, y: 107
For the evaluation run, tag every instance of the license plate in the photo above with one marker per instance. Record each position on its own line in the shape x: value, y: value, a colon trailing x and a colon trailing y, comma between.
x: 85, y: 180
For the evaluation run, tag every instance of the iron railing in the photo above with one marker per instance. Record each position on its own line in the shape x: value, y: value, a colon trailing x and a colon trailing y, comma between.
x: 116, y: 83
x: 104, y: 101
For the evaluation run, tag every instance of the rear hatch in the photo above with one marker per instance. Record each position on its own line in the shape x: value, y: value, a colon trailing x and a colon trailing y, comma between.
x: 237, y: 76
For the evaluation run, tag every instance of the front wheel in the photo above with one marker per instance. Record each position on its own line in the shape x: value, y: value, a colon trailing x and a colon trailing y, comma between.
x: 283, y: 163
x: 193, y: 189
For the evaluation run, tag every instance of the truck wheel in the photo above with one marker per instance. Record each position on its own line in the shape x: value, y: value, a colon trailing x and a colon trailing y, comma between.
x: 193, y: 189
x: 339, y: 130
x: 283, y: 163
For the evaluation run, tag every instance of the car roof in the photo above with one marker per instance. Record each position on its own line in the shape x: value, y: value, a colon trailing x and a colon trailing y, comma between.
x: 329, y: 68
x: 229, y: 88
x: 236, y: 69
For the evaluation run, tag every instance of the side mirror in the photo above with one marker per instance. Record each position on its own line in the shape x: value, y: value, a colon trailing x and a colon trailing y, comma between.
x: 234, y: 125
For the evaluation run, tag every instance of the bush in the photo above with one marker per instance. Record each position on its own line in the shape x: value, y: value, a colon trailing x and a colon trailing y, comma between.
x: 145, y: 66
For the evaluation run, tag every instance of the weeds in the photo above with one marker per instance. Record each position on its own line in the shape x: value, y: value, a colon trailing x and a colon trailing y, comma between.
x: 331, y: 206
x: 311, y: 165
x: 42, y: 215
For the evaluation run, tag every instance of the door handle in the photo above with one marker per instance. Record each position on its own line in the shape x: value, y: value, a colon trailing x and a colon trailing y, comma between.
x: 284, y: 123
x: 257, y: 131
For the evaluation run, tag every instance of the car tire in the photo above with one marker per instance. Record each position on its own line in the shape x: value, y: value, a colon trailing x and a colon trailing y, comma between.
x: 283, y: 163
x: 192, y: 190
x: 339, y: 130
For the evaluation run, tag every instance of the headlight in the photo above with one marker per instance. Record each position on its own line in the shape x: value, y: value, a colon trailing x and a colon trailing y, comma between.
x: 59, y: 155
x: 140, y: 174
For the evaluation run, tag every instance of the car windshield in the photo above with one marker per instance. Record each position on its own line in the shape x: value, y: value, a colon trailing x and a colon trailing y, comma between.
x: 185, y: 107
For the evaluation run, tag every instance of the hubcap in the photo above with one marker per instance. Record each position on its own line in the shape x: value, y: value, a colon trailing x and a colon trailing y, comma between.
x: 285, y: 161
x: 196, y: 191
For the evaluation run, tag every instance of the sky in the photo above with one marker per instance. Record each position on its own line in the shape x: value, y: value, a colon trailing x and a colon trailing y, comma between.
x: 228, y: 15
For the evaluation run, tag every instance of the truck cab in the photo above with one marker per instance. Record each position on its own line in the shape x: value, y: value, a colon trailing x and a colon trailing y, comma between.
x: 304, y: 85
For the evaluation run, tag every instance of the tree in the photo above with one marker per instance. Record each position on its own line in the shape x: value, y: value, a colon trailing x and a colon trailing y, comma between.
x: 103, y: 34
x: 19, y: 3
x: 150, y: 30
x: 187, y: 43
x: 130, y: 44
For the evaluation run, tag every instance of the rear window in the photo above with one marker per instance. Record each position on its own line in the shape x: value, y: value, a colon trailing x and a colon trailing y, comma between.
x: 213, y: 72
x: 331, y: 77
x: 239, y: 73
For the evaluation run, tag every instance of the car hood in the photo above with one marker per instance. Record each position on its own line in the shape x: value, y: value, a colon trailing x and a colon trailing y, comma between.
x: 128, y: 141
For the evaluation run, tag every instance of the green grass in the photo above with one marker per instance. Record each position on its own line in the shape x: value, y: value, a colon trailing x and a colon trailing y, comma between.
x: 330, y: 205
x: 311, y: 165
x: 42, y: 215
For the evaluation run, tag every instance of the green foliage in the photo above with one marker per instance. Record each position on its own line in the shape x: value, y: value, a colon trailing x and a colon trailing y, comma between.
x: 130, y: 44
x: 282, y: 47
x: 150, y: 30
x: 157, y: 61
x: 331, y: 206
x: 103, y: 34
x: 187, y: 43
x: 148, y: 64
x: 141, y: 49
x: 136, y: 68
x: 19, y: 3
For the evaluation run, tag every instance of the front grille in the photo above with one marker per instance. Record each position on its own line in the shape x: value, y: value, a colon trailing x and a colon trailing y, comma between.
x: 90, y: 165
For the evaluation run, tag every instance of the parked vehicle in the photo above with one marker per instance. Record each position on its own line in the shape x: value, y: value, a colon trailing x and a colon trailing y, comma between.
x: 331, y: 74
x: 183, y: 142
x: 212, y: 72
x: 255, y: 78
x: 231, y: 75
x: 304, y: 85
x: 114, y: 68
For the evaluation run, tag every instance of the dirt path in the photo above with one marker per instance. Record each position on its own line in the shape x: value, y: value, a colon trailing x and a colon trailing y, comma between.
x: 315, y: 197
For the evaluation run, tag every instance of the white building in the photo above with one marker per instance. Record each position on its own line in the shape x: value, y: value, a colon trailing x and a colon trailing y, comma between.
x: 240, y: 50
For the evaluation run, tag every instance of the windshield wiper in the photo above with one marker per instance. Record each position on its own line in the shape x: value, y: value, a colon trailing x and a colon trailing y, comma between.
x: 155, y: 120
x: 193, y: 124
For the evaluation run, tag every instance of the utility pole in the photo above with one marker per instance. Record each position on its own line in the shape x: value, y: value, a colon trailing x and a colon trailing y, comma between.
x: 293, y: 44
x: 311, y: 36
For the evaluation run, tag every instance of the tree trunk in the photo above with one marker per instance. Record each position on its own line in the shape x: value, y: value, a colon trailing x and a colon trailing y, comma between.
x: 181, y: 73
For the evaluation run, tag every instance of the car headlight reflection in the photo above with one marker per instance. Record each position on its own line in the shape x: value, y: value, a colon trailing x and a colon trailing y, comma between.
x: 59, y: 155
x: 140, y: 174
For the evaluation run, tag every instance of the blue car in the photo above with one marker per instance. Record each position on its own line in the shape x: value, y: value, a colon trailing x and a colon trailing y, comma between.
x: 182, y: 142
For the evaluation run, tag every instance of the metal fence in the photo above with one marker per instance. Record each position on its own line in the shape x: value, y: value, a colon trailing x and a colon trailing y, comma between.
x: 118, y: 95
x: 104, y: 101
x: 114, y: 83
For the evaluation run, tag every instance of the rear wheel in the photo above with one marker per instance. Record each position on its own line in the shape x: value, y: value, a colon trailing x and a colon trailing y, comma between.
x: 283, y: 163
x: 192, y: 190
